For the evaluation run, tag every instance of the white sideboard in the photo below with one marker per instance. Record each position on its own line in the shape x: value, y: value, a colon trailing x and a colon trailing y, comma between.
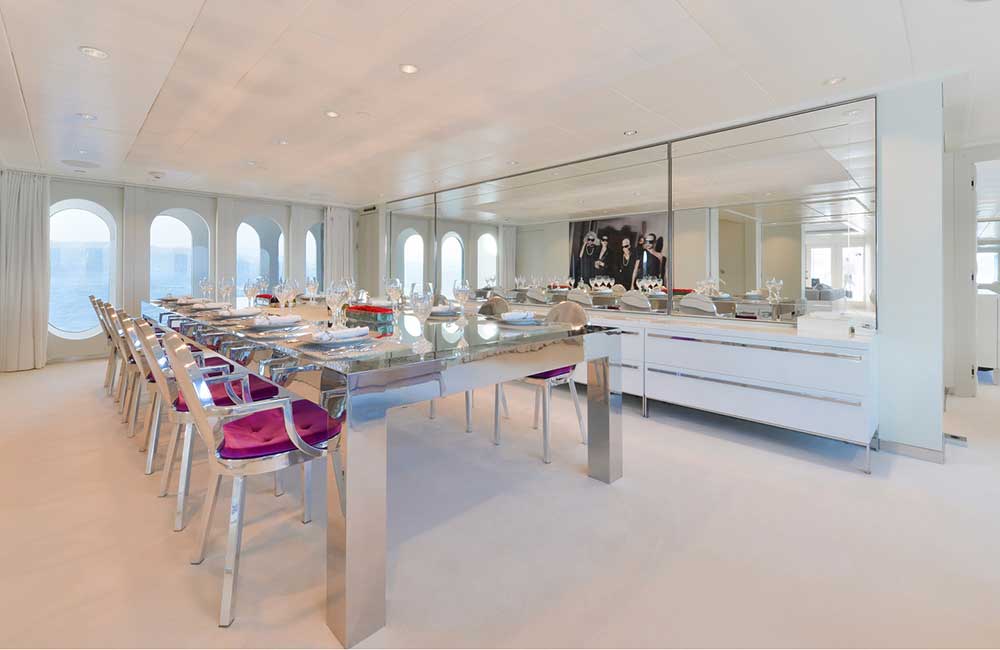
x: 772, y: 374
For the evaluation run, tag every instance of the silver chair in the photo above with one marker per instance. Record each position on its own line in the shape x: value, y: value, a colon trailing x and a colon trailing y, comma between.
x: 109, y: 342
x: 225, y: 431
x: 568, y: 313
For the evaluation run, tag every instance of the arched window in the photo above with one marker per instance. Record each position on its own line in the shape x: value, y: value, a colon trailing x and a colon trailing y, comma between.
x: 281, y: 256
x: 314, y: 253
x: 82, y: 262
x: 413, y: 259
x: 178, y: 252
x: 452, y: 263
x: 486, y: 260
x: 259, y: 243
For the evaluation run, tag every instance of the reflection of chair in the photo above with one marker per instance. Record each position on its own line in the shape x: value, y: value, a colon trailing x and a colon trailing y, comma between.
x: 245, y: 439
x: 567, y: 313
x: 619, y: 289
x: 494, y: 306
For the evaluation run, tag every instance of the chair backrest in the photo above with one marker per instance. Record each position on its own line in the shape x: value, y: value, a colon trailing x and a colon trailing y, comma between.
x: 156, y: 360
x: 567, y: 313
x: 494, y: 306
x: 116, y: 327
x: 94, y: 302
x: 618, y: 289
x: 192, y: 385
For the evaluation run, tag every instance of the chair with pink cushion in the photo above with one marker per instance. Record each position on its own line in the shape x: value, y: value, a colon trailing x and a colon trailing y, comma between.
x: 245, y: 439
x: 566, y: 313
x: 227, y: 385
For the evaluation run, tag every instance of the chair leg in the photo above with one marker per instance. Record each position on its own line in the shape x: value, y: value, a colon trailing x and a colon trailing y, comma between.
x: 432, y: 413
x: 168, y: 466
x: 152, y: 411
x: 279, y: 487
x: 468, y: 411
x: 136, y: 401
x: 546, y: 413
x: 538, y: 399
x: 503, y: 400
x: 153, y: 439
x: 338, y: 476
x: 126, y: 394
x: 307, y: 491
x: 109, y: 373
x: 184, y: 482
x: 206, y: 519
x: 579, y: 412
x: 497, y: 401
x: 235, y: 539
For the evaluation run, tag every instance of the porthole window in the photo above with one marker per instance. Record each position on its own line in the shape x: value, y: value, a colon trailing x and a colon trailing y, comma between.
x: 81, y: 263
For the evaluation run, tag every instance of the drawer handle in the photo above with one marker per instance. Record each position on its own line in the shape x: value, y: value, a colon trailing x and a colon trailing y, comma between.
x: 625, y: 365
x: 628, y: 333
x: 781, y: 391
x: 775, y: 348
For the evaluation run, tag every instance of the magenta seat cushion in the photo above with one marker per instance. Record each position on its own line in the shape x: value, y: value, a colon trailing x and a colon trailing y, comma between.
x: 259, y: 389
x: 263, y: 434
x: 549, y: 374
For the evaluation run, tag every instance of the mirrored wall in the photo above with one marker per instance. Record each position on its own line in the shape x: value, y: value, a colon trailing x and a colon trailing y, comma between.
x: 770, y: 221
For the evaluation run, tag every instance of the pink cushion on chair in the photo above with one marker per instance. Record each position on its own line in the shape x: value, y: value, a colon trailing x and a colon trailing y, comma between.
x: 549, y: 374
x: 259, y: 389
x: 263, y: 433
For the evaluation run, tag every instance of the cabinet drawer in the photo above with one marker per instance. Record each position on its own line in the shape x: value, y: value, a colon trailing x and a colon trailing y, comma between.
x: 631, y: 376
x: 844, y: 419
x: 632, y: 340
x: 840, y: 371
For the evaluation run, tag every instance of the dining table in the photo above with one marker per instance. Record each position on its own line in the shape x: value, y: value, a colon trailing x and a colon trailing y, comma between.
x: 363, y: 379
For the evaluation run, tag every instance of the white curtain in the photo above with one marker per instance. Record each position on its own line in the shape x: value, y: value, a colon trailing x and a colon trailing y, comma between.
x: 24, y: 270
x: 339, y: 244
x: 508, y: 255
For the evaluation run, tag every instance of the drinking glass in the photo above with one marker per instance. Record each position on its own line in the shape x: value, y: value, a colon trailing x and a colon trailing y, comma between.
x: 336, y: 296
x: 422, y: 302
x: 226, y: 289
x: 394, y: 290
x: 206, y: 286
x: 312, y: 286
x: 462, y: 292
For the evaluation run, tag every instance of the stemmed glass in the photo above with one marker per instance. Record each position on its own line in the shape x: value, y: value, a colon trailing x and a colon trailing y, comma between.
x: 286, y: 292
x: 312, y: 286
x: 206, y: 288
x: 462, y: 292
x: 421, y: 302
x: 226, y: 289
x: 337, y: 294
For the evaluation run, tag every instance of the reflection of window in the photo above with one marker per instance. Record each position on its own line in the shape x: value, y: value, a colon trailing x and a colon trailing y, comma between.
x: 281, y: 256
x: 178, y: 253
x: 452, y: 263
x: 259, y: 251
x: 413, y: 261
x: 854, y: 272
x: 81, y: 263
x: 486, y: 260
x: 987, y: 250
x: 314, y: 253
x: 987, y: 271
x: 821, y: 265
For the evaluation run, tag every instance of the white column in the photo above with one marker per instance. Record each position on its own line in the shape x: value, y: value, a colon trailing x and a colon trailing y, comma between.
x: 910, y: 266
x: 339, y: 244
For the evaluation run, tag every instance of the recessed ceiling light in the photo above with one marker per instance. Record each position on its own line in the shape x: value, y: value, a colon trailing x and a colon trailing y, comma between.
x: 512, y: 162
x: 332, y: 114
x: 93, y: 52
x: 156, y: 175
x: 251, y: 163
x: 408, y: 68
x: 833, y: 81
x: 282, y: 142
x: 90, y: 117
x: 631, y: 132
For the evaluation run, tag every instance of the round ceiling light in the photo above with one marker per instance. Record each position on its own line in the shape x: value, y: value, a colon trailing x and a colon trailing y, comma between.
x: 282, y: 142
x: 408, y: 68
x: 90, y: 117
x: 156, y: 175
x: 512, y: 162
x: 93, y: 52
x: 80, y: 163
x: 631, y: 132
x: 332, y: 114
x: 833, y: 81
x: 251, y: 163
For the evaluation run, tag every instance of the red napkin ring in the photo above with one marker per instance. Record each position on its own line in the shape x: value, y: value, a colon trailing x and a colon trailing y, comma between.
x: 371, y: 309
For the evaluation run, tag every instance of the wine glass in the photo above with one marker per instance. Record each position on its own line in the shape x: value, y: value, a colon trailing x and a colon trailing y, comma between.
x: 336, y: 296
x: 226, y: 289
x: 462, y: 292
x: 312, y: 286
x: 394, y: 290
x: 206, y: 286
x: 422, y: 302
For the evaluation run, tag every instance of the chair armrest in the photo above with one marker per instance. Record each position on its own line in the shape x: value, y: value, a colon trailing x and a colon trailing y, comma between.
x: 285, y: 404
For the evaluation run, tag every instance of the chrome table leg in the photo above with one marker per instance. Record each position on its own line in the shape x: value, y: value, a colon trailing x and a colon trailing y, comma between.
x: 498, y: 399
x: 468, y: 411
x: 604, y: 421
x: 546, y: 390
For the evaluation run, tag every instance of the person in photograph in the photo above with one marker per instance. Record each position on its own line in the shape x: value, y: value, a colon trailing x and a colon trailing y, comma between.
x: 650, y: 261
x: 588, y: 258
x: 603, y: 263
x: 625, y: 268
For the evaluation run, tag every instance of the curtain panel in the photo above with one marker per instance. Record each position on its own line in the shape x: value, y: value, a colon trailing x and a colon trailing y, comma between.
x: 339, y: 244
x: 508, y: 255
x: 24, y: 270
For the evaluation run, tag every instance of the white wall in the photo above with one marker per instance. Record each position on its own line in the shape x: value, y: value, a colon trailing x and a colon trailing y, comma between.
x: 693, y: 259
x: 543, y: 250
x: 781, y: 257
x: 910, y: 266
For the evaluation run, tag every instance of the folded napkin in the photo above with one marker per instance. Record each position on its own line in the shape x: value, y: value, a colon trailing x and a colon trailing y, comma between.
x: 580, y: 296
x: 243, y: 311
x: 537, y: 295
x: 190, y: 301
x: 212, y: 305
x: 636, y: 300
x: 291, y: 319
x: 326, y: 336
x: 517, y: 315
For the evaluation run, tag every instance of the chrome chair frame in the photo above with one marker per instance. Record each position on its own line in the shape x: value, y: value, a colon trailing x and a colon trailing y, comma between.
x: 208, y: 420
x: 109, y: 341
x: 565, y: 312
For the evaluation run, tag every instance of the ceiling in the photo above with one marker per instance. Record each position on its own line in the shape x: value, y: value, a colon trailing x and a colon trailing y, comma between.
x: 204, y: 92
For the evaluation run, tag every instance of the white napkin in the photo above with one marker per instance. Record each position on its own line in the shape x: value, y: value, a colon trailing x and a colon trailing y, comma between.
x: 291, y: 319
x: 636, y: 299
x: 190, y: 301
x: 325, y: 336
x: 243, y: 311
x: 211, y: 305
x: 517, y: 315
x: 537, y: 295
x: 580, y: 296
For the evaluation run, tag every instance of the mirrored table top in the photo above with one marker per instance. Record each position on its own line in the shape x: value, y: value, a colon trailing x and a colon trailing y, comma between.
x: 457, y: 339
